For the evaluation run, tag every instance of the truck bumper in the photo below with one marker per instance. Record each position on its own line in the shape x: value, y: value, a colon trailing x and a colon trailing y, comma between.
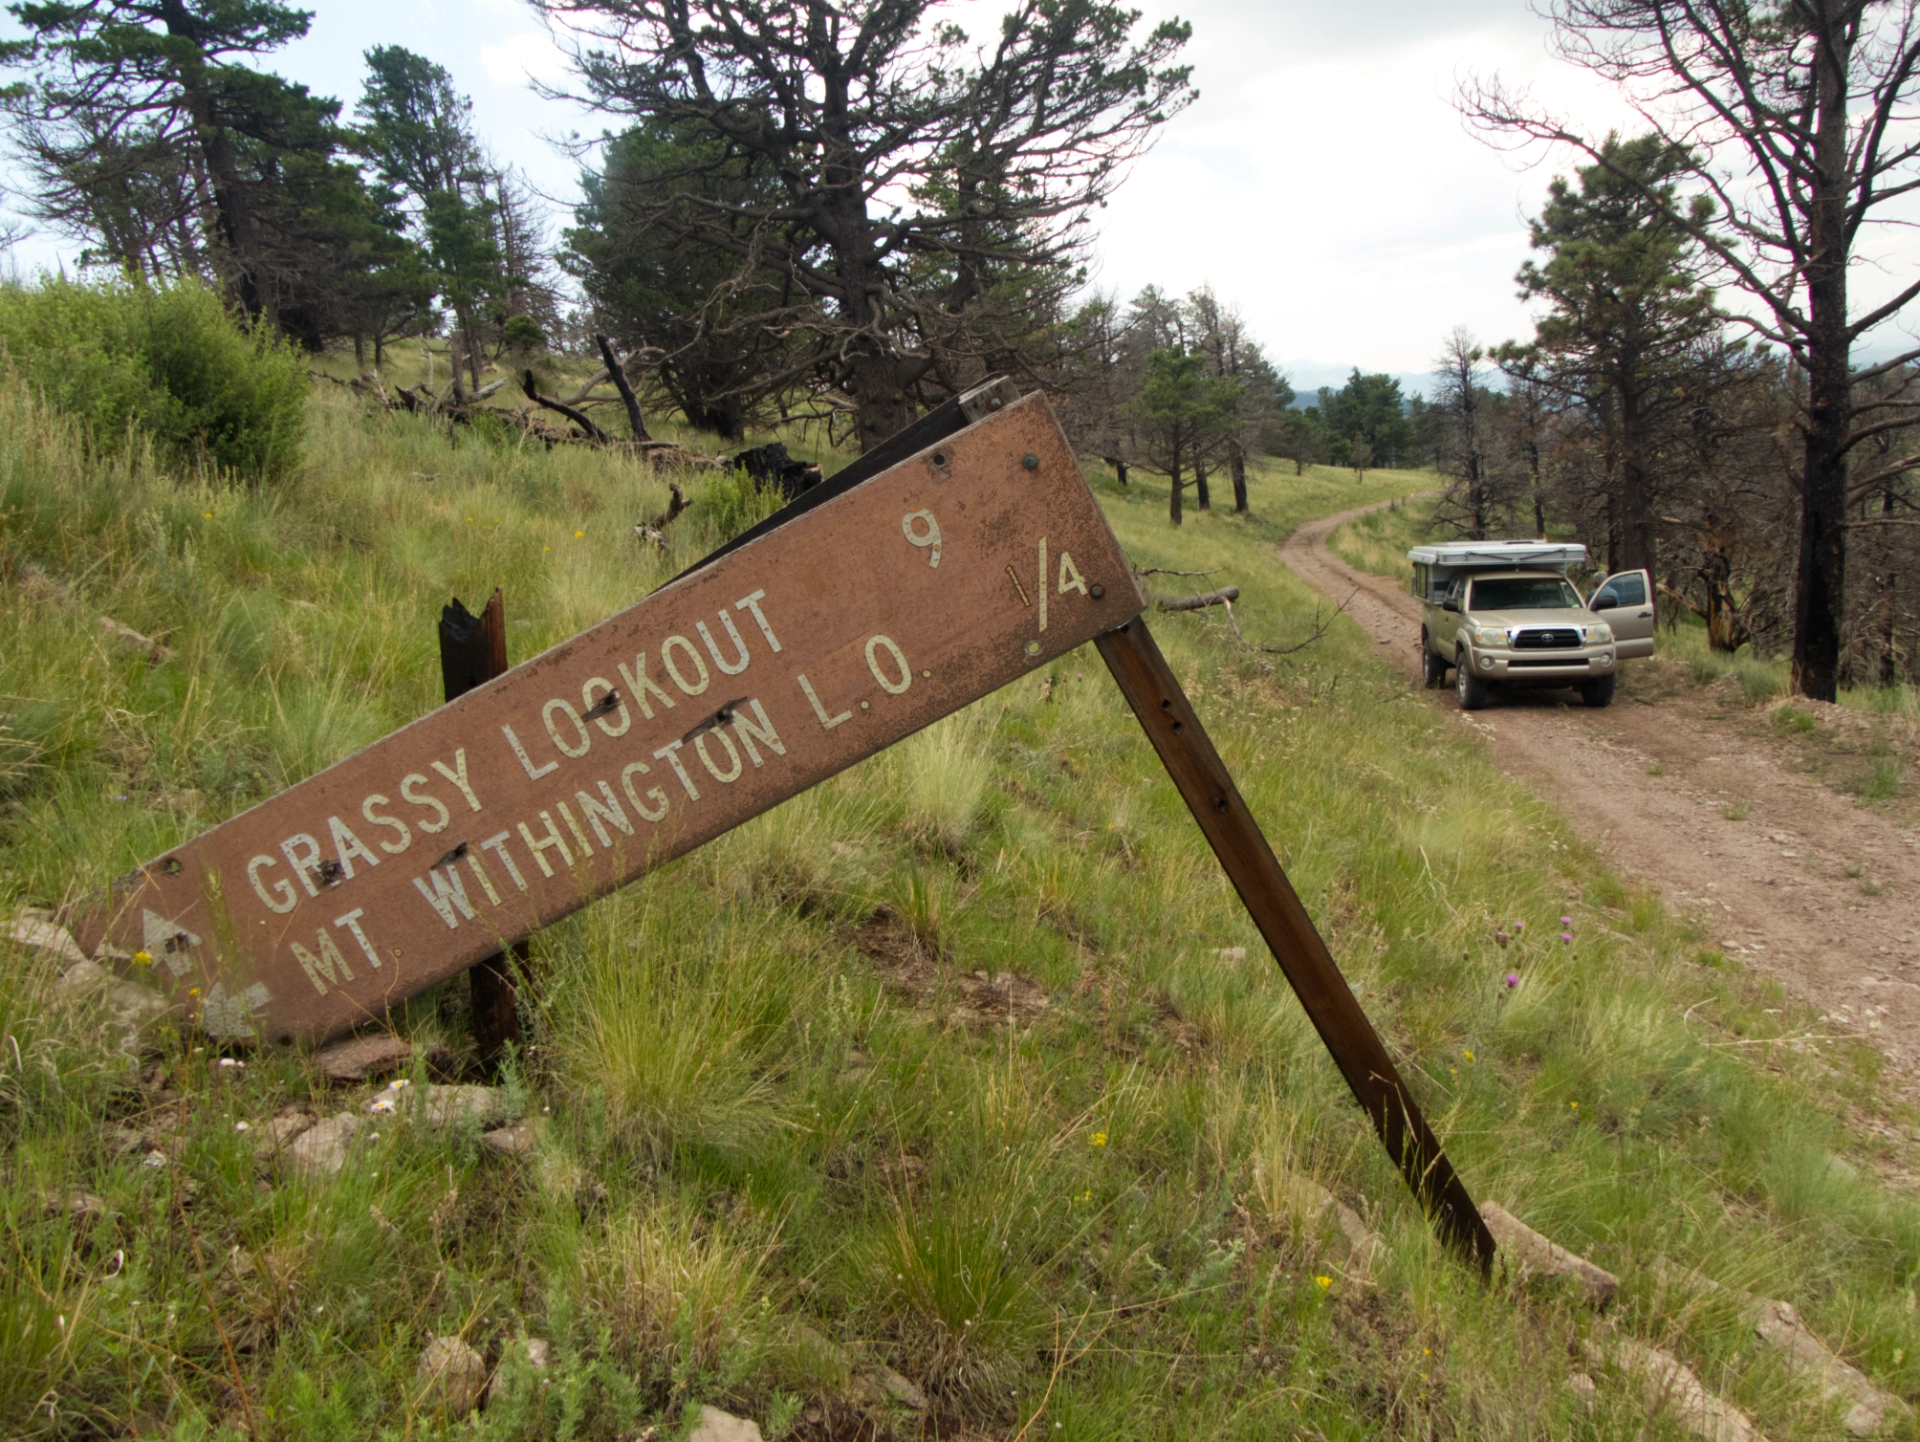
x: 1514, y: 669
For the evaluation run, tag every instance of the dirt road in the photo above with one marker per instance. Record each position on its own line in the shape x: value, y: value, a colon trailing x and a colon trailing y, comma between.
x: 1796, y: 880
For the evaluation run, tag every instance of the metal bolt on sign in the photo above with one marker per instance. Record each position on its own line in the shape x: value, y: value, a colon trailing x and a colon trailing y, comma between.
x: 959, y: 555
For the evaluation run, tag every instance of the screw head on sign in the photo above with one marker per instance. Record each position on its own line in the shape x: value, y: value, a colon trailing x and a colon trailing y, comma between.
x: 1098, y: 592
x: 1033, y: 648
x: 1030, y: 461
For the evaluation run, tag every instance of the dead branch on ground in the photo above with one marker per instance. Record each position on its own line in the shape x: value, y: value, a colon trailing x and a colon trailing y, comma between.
x: 1225, y: 596
x: 592, y: 432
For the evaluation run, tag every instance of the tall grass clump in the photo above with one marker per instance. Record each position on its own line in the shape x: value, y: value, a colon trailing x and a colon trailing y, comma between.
x: 169, y: 365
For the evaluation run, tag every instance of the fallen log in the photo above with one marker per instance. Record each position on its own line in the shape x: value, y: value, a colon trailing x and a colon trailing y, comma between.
x: 1224, y: 596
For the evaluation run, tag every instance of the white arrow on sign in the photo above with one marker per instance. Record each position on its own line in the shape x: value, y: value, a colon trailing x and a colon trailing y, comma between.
x: 167, y: 941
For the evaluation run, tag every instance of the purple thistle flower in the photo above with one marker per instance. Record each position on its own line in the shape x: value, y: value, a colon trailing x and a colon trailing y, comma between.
x: 1566, y: 936
x: 1512, y: 978
x: 1566, y: 921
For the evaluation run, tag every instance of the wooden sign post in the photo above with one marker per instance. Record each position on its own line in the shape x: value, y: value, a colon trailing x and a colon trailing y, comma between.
x: 962, y: 554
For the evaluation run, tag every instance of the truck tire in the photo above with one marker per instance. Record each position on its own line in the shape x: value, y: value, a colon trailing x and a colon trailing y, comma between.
x: 1469, y: 688
x: 1433, y: 670
x: 1599, y: 691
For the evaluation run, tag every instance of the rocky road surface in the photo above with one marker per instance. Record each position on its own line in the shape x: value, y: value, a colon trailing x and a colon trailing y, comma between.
x: 1793, y: 878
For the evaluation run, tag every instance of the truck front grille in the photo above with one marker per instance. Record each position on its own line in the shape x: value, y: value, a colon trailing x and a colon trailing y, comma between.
x: 1546, y: 639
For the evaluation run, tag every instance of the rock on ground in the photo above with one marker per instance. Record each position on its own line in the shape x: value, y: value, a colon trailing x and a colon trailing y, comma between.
x: 321, y: 1150
x: 1871, y: 1407
x: 437, y: 1106
x: 453, y: 1375
x: 516, y: 1140
x: 1527, y: 1252
x: 717, y: 1426
x: 129, y: 1007
x: 361, y: 1058
x: 1668, y: 1384
x: 33, y: 929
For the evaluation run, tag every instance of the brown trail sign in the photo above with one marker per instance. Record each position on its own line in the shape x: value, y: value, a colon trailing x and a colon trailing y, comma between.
x: 860, y: 614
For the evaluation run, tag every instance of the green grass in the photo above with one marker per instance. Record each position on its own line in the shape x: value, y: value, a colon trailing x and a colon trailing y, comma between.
x: 1377, y: 543
x: 781, y: 1105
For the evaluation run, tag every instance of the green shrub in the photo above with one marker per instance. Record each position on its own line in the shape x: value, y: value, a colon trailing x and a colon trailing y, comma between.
x: 170, y: 364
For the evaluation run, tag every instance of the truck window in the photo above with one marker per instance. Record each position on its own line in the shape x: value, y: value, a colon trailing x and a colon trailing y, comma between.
x: 1626, y: 590
x: 1523, y: 593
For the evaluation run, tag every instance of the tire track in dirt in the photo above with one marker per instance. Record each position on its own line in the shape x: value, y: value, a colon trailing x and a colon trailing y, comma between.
x: 1772, y: 888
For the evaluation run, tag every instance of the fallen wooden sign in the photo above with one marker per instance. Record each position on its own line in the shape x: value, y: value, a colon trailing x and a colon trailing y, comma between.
x: 956, y: 557
x: 712, y: 700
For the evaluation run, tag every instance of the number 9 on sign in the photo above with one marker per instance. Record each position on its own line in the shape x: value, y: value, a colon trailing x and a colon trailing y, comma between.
x: 920, y: 528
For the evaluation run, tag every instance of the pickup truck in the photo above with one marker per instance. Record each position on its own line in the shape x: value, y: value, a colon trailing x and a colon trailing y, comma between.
x: 1503, y: 613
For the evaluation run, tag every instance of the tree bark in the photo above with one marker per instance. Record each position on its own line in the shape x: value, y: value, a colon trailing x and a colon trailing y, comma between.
x: 1173, y: 494
x: 232, y: 214
x: 1237, y: 461
x: 1202, y: 496
x: 1822, y: 572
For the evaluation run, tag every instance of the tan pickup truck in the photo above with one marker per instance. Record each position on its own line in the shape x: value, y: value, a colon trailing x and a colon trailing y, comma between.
x: 1503, y: 613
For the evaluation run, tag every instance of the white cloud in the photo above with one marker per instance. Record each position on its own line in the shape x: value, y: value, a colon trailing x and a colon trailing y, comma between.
x: 531, y: 55
x: 1337, y: 197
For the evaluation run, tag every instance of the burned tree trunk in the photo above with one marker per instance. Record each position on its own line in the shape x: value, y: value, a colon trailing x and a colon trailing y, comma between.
x: 618, y: 374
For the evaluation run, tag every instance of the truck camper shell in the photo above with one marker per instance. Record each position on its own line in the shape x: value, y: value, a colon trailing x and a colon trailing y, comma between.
x: 1434, y: 567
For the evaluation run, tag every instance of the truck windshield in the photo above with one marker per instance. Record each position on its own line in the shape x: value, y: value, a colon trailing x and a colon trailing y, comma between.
x: 1523, y: 593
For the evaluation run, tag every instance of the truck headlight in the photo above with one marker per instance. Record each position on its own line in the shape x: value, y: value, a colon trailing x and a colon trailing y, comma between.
x: 1489, y: 636
x: 1599, y: 635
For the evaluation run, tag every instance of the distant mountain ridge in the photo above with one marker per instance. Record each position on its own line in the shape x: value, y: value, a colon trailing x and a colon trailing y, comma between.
x: 1307, y: 376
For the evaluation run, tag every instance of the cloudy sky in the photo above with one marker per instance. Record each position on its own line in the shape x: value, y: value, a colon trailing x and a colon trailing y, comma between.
x: 1322, y: 182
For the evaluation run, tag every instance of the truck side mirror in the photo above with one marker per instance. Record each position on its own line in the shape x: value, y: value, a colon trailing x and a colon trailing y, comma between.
x: 1450, y: 604
x: 1605, y: 601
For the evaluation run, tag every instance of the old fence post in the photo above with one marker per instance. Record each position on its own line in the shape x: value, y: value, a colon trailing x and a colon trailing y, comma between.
x: 473, y: 650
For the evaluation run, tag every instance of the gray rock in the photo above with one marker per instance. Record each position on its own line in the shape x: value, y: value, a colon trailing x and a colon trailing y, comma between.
x: 451, y: 1375
x: 362, y: 1058
x: 439, y: 1106
x: 717, y: 1426
x: 516, y: 1140
x: 35, y: 929
x: 281, y: 1132
x: 129, y: 1007
x: 899, y: 1389
x: 321, y: 1150
x: 1526, y: 1251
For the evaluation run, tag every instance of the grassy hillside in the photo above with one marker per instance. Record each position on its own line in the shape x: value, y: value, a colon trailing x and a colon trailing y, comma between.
x: 966, y: 1063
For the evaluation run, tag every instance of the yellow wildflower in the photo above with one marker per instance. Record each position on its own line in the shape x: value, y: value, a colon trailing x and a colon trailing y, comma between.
x: 1469, y: 1056
x: 1324, y: 1282
x: 1099, y: 1139
x: 143, y: 958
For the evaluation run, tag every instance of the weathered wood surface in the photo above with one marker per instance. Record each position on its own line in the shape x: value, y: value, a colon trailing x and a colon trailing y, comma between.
x: 727, y: 691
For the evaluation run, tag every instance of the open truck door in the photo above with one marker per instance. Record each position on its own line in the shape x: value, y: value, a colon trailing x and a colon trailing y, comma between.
x: 1625, y: 602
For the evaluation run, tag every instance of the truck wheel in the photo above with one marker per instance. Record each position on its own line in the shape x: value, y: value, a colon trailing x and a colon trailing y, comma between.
x: 1597, y: 692
x: 1469, y: 688
x: 1433, y: 670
